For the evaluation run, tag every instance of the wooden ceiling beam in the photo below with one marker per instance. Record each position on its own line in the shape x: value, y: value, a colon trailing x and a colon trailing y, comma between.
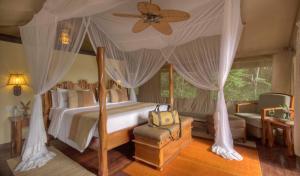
x: 14, y: 39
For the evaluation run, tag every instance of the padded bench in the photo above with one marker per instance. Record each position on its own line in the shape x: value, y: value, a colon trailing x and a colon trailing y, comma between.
x: 154, y: 146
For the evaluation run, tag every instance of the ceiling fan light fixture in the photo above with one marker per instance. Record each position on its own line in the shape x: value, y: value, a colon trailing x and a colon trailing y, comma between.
x: 152, y: 18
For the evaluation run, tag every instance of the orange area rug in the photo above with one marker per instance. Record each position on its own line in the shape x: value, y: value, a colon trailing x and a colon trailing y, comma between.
x: 197, y: 159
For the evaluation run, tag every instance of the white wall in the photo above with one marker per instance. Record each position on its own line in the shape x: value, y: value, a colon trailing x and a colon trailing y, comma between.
x: 85, y: 67
x: 12, y: 61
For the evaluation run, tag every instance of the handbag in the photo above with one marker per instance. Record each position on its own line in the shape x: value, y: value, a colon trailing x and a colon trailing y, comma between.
x: 161, y: 119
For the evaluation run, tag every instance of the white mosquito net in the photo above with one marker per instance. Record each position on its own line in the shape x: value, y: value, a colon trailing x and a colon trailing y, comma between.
x: 201, y: 49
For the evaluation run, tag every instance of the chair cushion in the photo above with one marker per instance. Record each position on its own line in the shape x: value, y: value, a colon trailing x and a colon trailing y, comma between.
x: 251, y: 118
x: 160, y: 134
x: 273, y: 100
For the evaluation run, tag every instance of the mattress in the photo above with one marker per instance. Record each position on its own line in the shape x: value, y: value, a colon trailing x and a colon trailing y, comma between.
x: 61, y: 119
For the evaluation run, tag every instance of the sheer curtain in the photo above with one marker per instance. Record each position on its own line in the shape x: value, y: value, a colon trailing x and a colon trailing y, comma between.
x: 206, y: 63
x: 231, y: 32
x: 48, y: 59
x: 131, y: 69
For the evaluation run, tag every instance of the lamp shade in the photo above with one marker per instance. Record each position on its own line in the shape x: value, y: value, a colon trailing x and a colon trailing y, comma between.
x: 16, y: 79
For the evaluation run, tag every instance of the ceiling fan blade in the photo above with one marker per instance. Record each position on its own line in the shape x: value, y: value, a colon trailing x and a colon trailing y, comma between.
x: 174, y: 15
x: 127, y: 15
x: 163, y: 27
x: 140, y: 26
x: 145, y: 7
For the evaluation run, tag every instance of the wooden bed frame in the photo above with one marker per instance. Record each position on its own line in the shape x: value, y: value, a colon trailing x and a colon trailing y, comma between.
x: 106, y: 141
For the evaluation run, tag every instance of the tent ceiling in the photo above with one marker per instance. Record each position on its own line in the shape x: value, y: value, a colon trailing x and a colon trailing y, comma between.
x: 206, y: 20
x: 269, y: 23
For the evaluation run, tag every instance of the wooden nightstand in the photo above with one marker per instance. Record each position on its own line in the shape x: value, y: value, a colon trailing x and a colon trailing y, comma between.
x: 17, y: 123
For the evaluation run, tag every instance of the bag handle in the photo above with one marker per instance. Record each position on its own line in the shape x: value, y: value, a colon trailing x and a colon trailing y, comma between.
x: 173, y: 117
x: 157, y: 108
x: 158, y: 105
x: 158, y: 113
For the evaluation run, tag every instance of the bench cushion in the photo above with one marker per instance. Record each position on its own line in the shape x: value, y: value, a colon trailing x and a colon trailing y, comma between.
x: 200, y: 117
x: 251, y: 118
x: 236, y: 122
x: 159, y: 134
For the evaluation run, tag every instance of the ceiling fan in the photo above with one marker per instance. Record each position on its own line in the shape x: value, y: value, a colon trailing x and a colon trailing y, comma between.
x: 153, y: 15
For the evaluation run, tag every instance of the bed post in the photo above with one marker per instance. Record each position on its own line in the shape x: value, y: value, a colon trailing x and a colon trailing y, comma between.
x: 46, y: 110
x: 171, y: 85
x: 102, y: 150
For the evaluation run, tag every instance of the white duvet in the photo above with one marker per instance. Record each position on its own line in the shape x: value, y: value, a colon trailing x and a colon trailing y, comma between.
x: 61, y: 119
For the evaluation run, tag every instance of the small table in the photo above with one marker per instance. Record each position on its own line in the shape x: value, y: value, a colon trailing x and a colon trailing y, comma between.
x: 17, y: 123
x: 287, y: 127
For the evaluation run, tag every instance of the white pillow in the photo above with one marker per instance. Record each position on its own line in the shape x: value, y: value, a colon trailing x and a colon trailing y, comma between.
x: 54, y: 98
x: 63, y: 98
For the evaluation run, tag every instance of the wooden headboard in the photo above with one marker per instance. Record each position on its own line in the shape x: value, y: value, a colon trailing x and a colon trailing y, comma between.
x: 83, y: 84
x: 47, y: 101
x: 110, y: 84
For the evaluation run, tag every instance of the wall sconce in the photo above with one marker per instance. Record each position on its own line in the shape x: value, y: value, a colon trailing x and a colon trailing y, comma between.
x: 17, y: 80
x: 65, y: 37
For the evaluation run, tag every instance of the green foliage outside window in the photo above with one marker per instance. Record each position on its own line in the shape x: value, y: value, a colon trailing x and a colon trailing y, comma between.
x: 244, y: 84
x: 247, y: 84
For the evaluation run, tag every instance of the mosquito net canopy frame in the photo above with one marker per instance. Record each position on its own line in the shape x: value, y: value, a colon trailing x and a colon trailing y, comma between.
x: 201, y: 49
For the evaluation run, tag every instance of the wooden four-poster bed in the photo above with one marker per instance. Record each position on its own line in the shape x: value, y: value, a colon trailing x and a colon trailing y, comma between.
x: 106, y: 141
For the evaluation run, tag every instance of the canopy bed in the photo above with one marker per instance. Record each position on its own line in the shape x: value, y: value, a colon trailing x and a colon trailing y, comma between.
x: 201, y: 47
x: 76, y: 125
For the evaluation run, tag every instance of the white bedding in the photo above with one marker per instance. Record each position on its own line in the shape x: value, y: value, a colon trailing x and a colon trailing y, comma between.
x: 61, y: 119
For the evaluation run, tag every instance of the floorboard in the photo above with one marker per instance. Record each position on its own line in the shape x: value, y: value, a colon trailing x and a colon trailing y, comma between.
x: 273, y: 161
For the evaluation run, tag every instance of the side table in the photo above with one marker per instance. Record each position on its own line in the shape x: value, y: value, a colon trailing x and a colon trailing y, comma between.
x: 17, y: 123
x: 287, y: 127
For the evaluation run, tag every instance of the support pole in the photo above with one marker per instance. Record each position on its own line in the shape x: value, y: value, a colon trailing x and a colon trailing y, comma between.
x: 102, y: 122
x: 171, y: 86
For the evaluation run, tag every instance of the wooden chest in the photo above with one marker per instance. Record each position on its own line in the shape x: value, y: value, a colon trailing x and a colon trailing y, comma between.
x: 160, y: 149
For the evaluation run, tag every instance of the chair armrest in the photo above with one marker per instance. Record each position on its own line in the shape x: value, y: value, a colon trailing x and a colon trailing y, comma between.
x: 272, y: 108
x: 239, y: 105
x: 265, y: 110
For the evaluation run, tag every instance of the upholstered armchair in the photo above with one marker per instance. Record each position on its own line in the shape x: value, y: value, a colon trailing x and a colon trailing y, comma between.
x: 255, y: 113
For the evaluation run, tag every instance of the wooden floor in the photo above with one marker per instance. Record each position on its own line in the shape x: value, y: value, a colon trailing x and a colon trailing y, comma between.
x: 273, y: 161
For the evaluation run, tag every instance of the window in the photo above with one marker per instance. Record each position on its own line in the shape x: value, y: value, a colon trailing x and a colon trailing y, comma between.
x: 245, y: 84
x: 182, y: 89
